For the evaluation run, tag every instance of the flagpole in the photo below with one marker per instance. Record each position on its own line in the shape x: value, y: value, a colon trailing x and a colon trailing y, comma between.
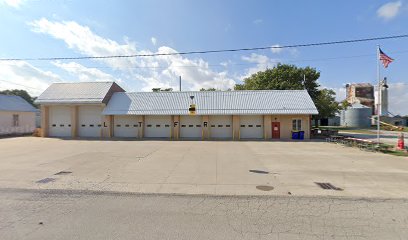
x: 378, y: 95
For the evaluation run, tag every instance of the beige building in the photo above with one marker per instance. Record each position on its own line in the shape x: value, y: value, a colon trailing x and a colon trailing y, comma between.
x: 17, y: 116
x: 103, y: 109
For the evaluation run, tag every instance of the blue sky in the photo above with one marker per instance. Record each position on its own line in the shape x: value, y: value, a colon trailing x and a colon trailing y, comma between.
x: 60, y: 28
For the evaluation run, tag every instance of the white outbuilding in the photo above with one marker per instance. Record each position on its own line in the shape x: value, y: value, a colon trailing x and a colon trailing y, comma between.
x: 17, y: 116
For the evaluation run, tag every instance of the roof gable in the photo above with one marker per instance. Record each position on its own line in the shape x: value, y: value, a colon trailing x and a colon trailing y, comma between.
x: 15, y: 104
x: 81, y: 92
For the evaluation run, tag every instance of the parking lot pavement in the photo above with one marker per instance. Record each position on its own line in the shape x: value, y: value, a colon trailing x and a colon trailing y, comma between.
x: 201, y: 167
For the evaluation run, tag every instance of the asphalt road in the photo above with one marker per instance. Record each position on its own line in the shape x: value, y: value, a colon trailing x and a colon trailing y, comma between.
x: 62, y: 214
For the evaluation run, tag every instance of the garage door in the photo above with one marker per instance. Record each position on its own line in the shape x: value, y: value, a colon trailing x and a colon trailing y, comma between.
x: 157, y: 126
x: 59, y: 121
x: 89, y: 121
x: 190, y: 127
x: 220, y: 127
x: 125, y: 126
x: 251, y: 126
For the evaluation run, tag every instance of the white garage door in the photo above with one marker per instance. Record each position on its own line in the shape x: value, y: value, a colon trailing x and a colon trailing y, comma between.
x: 251, y: 126
x: 59, y: 121
x: 190, y: 126
x: 125, y: 126
x: 89, y: 121
x: 157, y: 126
x: 220, y: 127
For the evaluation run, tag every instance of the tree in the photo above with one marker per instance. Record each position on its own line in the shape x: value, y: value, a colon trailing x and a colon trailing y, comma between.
x: 326, y: 104
x: 162, y: 89
x: 208, y: 89
x: 344, y: 105
x: 22, y: 93
x: 290, y: 77
x: 283, y: 77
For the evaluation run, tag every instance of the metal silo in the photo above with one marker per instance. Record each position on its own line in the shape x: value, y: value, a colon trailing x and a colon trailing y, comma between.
x: 357, y: 115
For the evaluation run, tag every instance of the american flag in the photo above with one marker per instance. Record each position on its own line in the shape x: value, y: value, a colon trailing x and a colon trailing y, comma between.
x: 386, y: 60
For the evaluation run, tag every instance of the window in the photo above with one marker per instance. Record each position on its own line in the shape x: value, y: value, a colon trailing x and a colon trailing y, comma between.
x: 54, y: 125
x: 134, y: 125
x: 167, y: 125
x: 190, y: 125
x: 250, y: 125
x: 227, y: 125
x: 118, y: 125
x: 297, y: 124
x: 91, y: 125
x: 157, y: 125
x: 183, y: 125
x: 127, y: 125
x: 220, y: 125
x: 15, y: 120
x: 99, y: 125
x: 198, y: 125
x: 258, y: 126
x: 242, y: 125
x: 149, y: 125
x: 82, y: 125
x: 212, y: 125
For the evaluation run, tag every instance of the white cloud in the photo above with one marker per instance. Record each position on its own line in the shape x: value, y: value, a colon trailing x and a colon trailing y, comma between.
x: 85, y: 74
x: 142, y: 72
x: 22, y: 75
x: 389, y: 10
x: 261, y: 62
x: 13, y: 3
x: 257, y: 21
x: 154, y: 41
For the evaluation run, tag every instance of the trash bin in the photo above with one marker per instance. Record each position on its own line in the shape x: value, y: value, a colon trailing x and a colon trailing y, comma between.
x: 302, y: 135
x: 295, y: 135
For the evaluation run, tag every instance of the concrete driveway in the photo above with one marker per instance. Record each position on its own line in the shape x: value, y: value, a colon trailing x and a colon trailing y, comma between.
x: 200, y: 167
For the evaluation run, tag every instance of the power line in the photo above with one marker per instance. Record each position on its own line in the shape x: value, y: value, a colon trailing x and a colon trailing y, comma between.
x: 233, y: 64
x: 208, y: 51
x: 21, y: 85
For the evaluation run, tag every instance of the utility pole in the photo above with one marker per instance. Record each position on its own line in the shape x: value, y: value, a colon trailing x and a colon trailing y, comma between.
x: 180, y: 82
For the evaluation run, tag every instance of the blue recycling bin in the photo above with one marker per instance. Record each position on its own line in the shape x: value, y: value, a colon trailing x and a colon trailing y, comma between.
x: 302, y: 135
x: 295, y: 135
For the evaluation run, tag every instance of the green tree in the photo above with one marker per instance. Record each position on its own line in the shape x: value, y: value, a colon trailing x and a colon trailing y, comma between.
x: 162, y: 89
x: 22, y: 93
x: 208, y: 89
x: 290, y: 77
x: 344, y: 105
x: 283, y: 77
x: 326, y: 104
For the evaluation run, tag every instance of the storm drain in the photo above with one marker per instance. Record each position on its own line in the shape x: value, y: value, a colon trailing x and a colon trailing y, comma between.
x: 63, y: 173
x: 46, y: 180
x: 264, y: 188
x: 258, y: 171
x: 328, y: 186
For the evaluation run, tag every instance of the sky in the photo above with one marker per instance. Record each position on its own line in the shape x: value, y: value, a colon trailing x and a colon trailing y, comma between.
x: 69, y: 28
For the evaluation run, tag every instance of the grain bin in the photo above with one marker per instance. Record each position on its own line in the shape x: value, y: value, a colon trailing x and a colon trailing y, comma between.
x: 357, y: 115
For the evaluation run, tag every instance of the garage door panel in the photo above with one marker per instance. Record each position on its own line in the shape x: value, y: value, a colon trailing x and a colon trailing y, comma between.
x: 157, y: 126
x: 251, y: 127
x: 89, y: 121
x: 59, y: 121
x: 220, y: 127
x: 126, y: 126
x: 190, y: 126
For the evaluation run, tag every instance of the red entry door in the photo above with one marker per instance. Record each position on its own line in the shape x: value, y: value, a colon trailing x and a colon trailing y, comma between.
x: 276, y: 130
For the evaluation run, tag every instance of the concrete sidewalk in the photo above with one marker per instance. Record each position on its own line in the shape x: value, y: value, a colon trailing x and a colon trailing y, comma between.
x: 201, y: 167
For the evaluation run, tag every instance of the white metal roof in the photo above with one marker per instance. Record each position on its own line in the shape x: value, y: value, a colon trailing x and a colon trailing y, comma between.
x: 212, y: 103
x: 15, y: 104
x: 80, y: 92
